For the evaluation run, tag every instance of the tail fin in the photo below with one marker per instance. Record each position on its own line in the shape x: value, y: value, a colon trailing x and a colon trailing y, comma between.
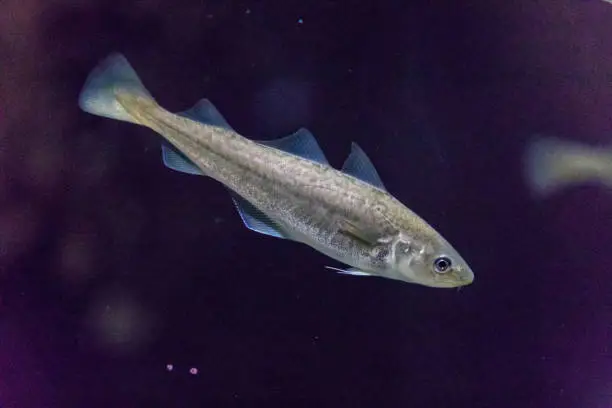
x: 98, y: 95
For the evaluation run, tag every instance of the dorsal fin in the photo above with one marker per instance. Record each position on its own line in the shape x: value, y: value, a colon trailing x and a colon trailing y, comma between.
x: 358, y: 165
x: 205, y: 112
x: 301, y: 143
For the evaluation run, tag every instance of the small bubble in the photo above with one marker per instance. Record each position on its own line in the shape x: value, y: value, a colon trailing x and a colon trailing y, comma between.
x: 300, y: 21
x: 169, y: 367
x: 193, y: 371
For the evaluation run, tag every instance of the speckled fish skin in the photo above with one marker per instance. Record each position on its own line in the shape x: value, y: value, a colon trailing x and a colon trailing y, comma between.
x: 341, y: 216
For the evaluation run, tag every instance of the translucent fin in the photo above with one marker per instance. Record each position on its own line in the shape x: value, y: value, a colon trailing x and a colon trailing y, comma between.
x: 205, y: 112
x: 301, y: 143
x: 350, y: 271
x: 175, y: 160
x: 113, y: 74
x: 254, y: 219
x: 359, y: 165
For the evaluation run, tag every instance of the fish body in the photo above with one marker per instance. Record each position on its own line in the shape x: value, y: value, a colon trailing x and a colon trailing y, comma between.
x: 551, y: 164
x: 286, y: 188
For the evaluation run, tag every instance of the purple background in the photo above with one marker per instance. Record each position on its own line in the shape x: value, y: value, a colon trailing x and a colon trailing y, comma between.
x: 112, y: 267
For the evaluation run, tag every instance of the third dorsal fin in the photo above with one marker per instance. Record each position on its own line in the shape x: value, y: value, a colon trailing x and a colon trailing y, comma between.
x: 358, y: 165
x: 301, y: 143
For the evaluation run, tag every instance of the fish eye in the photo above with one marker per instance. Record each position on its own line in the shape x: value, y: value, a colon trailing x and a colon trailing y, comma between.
x: 442, y: 264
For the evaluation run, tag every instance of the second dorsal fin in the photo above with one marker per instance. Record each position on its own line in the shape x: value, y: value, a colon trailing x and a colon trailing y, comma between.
x: 358, y: 165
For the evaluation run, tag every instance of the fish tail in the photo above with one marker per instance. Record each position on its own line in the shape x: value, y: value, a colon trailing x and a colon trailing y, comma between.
x: 112, y: 76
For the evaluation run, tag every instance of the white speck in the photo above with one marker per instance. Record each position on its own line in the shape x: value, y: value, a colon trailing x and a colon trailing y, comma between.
x: 193, y: 371
x: 248, y: 11
x: 300, y: 21
x: 169, y: 367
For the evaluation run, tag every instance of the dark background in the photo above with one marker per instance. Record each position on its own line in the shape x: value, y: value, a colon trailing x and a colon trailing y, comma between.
x: 113, y: 267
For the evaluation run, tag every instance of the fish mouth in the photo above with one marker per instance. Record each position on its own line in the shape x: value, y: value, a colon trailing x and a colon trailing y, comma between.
x: 463, y: 276
x: 467, y: 280
x: 456, y: 281
x: 464, y: 281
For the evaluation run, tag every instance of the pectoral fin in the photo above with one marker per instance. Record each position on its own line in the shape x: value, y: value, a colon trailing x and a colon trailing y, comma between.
x: 348, y: 228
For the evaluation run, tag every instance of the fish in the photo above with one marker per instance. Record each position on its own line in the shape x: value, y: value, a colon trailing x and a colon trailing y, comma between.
x: 552, y: 164
x: 286, y: 188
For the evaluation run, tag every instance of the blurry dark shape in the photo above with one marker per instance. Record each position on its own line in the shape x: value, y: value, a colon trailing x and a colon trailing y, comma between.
x: 551, y: 164
x: 119, y: 323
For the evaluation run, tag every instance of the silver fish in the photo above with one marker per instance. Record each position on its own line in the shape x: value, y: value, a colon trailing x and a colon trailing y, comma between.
x: 551, y: 164
x: 285, y: 187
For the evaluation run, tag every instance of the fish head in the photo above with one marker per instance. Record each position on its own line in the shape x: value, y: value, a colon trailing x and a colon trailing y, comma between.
x: 431, y: 262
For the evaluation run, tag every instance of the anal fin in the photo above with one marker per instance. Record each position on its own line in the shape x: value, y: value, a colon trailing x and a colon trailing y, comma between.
x: 254, y: 219
x: 175, y: 160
